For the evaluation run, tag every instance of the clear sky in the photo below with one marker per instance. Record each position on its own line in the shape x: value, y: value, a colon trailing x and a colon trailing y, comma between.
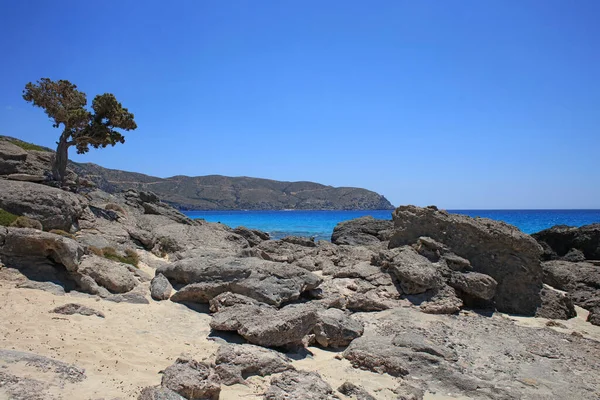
x: 462, y: 104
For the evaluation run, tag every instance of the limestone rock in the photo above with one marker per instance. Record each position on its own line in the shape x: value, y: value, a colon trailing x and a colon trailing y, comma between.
x: 493, y: 248
x: 562, y: 239
x: 192, y: 379
x: 355, y: 392
x: 266, y: 326
x: 73, y: 308
x: 112, y: 275
x: 54, y: 208
x: 362, y: 231
x: 159, y: 393
x: 335, y: 329
x: 160, y: 288
x: 299, y: 385
x: 235, y: 362
x: 555, y: 305
x: 474, y: 284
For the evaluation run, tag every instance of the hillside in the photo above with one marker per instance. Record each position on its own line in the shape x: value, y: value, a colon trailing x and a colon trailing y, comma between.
x: 215, y: 192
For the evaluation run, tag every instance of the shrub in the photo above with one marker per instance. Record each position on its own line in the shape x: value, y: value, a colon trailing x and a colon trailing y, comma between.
x: 115, y: 207
x: 167, y: 245
x: 65, y: 234
x: 26, y: 222
x: 130, y: 257
x: 6, y: 218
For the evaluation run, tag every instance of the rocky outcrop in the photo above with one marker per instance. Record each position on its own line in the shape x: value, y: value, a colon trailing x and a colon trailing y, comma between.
x: 299, y: 385
x: 267, y: 326
x: 355, y: 392
x: 581, y: 280
x: 493, y: 248
x: 265, y: 281
x: 54, y: 208
x: 555, y: 305
x: 159, y: 393
x: 192, y: 379
x: 111, y: 275
x: 336, y: 329
x: 253, y: 236
x: 236, y: 362
x: 362, y: 231
x: 561, y: 240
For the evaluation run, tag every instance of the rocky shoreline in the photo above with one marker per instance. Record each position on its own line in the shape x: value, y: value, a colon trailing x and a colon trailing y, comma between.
x: 122, y: 296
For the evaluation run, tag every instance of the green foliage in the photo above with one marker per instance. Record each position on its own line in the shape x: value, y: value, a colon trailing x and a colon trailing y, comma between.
x: 65, y: 105
x: 7, y: 218
x: 63, y: 233
x: 130, y: 257
x: 26, y: 222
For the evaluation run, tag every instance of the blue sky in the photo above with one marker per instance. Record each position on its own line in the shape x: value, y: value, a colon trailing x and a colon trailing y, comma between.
x: 462, y: 104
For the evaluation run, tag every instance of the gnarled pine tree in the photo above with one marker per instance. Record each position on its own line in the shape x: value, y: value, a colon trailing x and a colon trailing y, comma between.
x: 82, y: 128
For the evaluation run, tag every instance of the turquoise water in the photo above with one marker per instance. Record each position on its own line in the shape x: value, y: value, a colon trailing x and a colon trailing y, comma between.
x: 320, y: 224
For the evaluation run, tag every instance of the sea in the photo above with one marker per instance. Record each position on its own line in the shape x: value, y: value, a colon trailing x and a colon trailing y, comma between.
x: 320, y: 224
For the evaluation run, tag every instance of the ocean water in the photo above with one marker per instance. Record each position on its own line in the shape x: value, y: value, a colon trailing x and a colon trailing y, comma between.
x: 320, y: 224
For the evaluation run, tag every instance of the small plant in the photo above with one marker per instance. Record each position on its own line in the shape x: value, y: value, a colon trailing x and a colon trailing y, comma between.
x: 115, y: 207
x: 130, y: 257
x: 65, y: 234
x: 26, y: 222
x: 167, y: 245
x: 6, y: 218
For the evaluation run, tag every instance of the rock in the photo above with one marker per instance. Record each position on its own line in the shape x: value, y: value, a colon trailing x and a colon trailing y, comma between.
x: 362, y: 231
x: 355, y: 392
x: 236, y: 362
x: 28, y: 243
x: 581, y: 280
x: 112, y: 275
x: 555, y: 305
x: 415, y: 273
x: 229, y: 299
x: 26, y: 178
x: 73, y: 308
x: 265, y: 281
x: 160, y: 288
x: 54, y: 208
x: 574, y: 255
x: 594, y: 316
x: 266, y: 326
x: 159, y: 393
x: 253, y: 236
x: 562, y: 239
x: 299, y: 385
x: 131, y: 298
x: 300, y: 241
x: 192, y: 379
x: 493, y: 248
x: 49, y: 287
x: 474, y: 284
x: 443, y: 300
x: 369, y: 301
x: 335, y: 329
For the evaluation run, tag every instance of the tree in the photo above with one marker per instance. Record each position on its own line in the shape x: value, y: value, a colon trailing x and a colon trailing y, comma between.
x: 82, y: 128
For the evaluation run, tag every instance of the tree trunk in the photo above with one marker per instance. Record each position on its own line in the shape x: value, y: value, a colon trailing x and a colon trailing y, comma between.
x: 59, y: 166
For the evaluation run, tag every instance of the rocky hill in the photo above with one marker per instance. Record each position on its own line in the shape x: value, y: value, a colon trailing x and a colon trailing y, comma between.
x: 213, y: 192
x: 216, y: 192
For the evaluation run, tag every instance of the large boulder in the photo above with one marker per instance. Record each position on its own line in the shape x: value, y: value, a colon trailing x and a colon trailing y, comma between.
x: 192, y: 379
x: 362, y: 231
x: 581, y: 280
x: 16, y: 243
x: 299, y: 385
x: 236, y: 362
x: 266, y: 326
x: 160, y: 288
x: 265, y: 281
x: 336, y: 329
x: 54, y: 208
x: 562, y: 239
x: 415, y: 273
x: 111, y: 275
x: 493, y: 248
